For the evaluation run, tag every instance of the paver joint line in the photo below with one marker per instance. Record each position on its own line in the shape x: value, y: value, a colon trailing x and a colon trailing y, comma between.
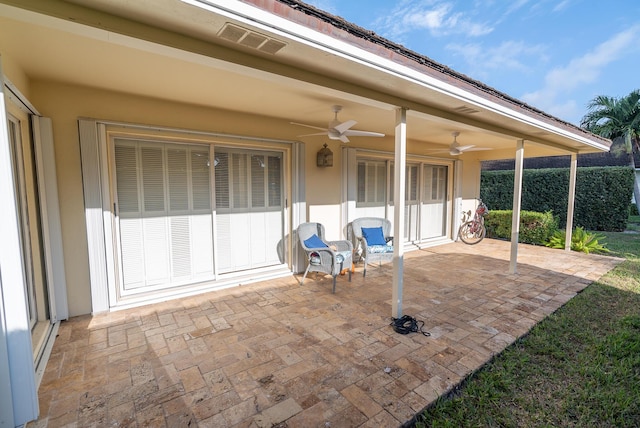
x: 274, y: 352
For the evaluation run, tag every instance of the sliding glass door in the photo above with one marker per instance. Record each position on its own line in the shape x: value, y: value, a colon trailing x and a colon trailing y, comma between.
x: 249, y: 208
x: 187, y: 213
x: 426, y: 196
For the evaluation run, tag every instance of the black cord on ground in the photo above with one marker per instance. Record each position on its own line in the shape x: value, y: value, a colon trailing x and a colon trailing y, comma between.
x: 407, y: 324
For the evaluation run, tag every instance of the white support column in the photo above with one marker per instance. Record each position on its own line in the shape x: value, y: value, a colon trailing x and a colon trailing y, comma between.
x: 400, y: 161
x: 517, y: 199
x: 571, y: 201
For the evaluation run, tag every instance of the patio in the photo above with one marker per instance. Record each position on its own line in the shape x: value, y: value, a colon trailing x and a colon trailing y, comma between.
x: 278, y: 354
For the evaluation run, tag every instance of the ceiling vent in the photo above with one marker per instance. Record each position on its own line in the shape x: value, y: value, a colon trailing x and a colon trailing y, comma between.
x: 250, y: 39
x: 465, y: 110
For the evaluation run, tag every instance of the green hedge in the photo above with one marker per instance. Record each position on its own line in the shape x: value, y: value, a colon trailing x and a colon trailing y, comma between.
x: 535, y: 228
x: 601, y: 202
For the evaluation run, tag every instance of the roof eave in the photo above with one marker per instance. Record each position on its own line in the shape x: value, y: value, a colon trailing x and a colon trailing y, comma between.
x: 362, y: 45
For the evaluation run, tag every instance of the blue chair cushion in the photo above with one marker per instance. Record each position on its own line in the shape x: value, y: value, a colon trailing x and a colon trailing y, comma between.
x: 380, y: 249
x: 373, y: 236
x: 314, y: 242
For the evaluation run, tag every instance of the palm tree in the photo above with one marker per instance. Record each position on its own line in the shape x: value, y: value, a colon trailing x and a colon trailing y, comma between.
x: 619, y: 120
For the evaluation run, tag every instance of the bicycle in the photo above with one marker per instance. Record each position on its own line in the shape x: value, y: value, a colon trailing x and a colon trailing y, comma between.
x: 473, y: 230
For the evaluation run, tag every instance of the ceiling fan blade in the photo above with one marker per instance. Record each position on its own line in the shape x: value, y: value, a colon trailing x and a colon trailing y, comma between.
x: 465, y: 148
x: 308, y: 126
x: 476, y: 149
x: 345, y: 126
x: 355, y: 133
x: 316, y: 133
x: 339, y: 131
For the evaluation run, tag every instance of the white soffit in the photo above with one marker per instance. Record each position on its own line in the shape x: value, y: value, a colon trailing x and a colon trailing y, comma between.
x: 255, y: 17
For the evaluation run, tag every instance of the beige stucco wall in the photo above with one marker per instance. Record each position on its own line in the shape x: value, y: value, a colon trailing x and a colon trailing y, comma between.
x: 471, y: 169
x: 66, y: 103
x: 324, y: 189
x: 15, y: 73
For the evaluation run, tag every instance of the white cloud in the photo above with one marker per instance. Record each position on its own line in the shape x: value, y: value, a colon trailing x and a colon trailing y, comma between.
x: 437, y: 17
x: 564, y: 4
x: 580, y: 72
x: 514, y: 6
x: 568, y: 110
x: 507, y: 56
x: 432, y: 19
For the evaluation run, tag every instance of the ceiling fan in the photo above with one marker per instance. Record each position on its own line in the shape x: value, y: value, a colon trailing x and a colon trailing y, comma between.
x: 339, y: 130
x: 456, y: 149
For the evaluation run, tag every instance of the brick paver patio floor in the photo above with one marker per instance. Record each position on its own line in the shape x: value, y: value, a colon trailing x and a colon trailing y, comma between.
x: 276, y: 353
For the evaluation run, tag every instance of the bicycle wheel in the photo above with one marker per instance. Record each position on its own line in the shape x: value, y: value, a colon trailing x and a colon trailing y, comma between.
x: 472, y: 232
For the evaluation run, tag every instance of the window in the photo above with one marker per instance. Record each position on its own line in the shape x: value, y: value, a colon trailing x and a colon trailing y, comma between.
x: 411, y: 183
x: 247, y: 182
x: 435, y: 183
x: 249, y: 208
x: 426, y: 204
x: 372, y: 183
x: 164, y: 211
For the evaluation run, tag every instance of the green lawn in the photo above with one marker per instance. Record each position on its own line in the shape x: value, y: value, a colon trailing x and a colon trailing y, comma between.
x: 634, y: 223
x: 580, y: 367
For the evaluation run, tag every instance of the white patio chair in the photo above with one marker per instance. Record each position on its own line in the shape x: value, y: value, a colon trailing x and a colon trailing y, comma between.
x: 329, y: 257
x: 372, y: 240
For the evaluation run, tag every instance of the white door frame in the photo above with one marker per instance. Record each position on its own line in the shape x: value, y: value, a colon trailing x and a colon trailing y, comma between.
x: 100, y: 219
x: 19, y: 403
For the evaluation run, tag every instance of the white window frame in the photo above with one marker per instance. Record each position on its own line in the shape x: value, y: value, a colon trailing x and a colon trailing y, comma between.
x: 122, y: 292
x: 94, y: 137
x: 354, y: 157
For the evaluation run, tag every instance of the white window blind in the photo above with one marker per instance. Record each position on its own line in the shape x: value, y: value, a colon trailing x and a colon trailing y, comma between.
x: 434, y: 201
x: 249, y: 208
x: 435, y: 183
x: 372, y: 183
x: 411, y: 183
x: 164, y: 211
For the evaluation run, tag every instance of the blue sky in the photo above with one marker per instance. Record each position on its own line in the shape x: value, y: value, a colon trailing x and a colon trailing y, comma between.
x: 555, y: 55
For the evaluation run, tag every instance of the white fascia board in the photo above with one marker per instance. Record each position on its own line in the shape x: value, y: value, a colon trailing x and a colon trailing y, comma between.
x: 253, y: 16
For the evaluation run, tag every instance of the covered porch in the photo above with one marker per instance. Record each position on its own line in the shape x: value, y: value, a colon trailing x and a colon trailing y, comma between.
x: 276, y: 352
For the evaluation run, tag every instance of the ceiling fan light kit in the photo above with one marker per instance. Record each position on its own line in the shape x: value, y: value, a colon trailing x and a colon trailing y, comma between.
x: 337, y: 130
x: 456, y: 149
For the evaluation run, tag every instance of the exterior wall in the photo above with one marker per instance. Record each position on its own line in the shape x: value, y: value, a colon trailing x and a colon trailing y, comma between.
x: 64, y: 104
x: 14, y: 73
x: 324, y: 189
x: 470, y: 189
